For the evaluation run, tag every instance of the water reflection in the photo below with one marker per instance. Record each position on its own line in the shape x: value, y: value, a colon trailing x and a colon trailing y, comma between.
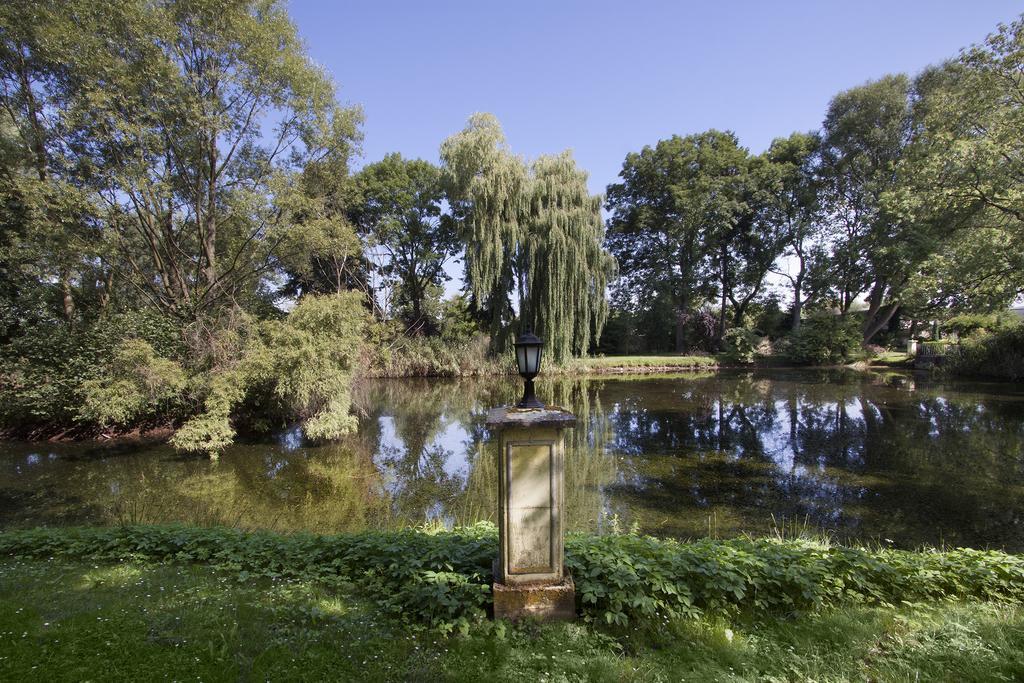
x: 856, y: 455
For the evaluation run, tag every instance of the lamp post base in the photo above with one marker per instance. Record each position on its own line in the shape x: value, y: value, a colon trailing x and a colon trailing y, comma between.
x: 544, y: 602
x: 529, y: 399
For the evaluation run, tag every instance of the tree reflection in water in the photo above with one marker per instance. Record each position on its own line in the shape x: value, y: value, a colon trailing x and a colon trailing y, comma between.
x: 855, y: 455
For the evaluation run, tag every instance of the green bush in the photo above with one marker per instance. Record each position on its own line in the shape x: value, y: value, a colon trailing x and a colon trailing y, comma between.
x: 46, y: 370
x: 440, y: 579
x: 629, y: 578
x: 303, y: 363
x: 443, y: 579
x: 967, y: 324
x: 137, y: 382
x: 824, y: 339
x: 741, y: 345
x: 994, y: 354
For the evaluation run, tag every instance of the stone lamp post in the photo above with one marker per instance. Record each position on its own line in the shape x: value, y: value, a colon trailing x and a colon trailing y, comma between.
x: 529, y: 574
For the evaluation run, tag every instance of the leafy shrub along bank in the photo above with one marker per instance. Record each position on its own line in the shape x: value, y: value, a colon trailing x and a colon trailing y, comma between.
x: 993, y: 354
x: 825, y: 339
x: 443, y: 579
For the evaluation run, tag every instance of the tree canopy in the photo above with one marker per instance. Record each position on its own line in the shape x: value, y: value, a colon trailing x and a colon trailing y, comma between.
x: 533, y: 232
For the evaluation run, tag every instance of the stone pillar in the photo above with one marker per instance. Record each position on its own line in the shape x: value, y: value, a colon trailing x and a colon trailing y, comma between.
x: 529, y: 574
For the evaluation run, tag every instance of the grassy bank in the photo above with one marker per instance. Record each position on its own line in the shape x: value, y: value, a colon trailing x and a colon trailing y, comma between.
x: 442, y: 579
x: 67, y: 620
x: 639, y: 364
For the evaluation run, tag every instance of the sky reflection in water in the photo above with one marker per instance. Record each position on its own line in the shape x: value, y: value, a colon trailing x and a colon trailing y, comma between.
x: 860, y: 456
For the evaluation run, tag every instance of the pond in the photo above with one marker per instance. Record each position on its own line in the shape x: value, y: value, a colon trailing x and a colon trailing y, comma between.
x: 872, y: 457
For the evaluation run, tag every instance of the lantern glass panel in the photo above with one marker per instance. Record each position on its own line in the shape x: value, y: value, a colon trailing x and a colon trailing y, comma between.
x: 533, y: 359
x: 521, y: 360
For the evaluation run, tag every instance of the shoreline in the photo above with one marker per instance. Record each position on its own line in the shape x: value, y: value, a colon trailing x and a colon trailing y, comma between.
x: 160, y: 433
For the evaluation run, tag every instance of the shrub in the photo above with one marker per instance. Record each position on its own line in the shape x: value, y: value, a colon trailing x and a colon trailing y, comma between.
x: 824, y: 339
x: 741, y: 345
x: 438, y: 579
x: 305, y: 362
x: 994, y: 354
x: 699, y: 329
x: 967, y: 324
x: 456, y: 321
x: 46, y: 371
x: 770, y: 320
x: 443, y: 579
x: 137, y: 382
x: 629, y: 578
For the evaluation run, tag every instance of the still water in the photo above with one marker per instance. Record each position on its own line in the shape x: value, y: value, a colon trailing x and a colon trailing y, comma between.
x: 872, y: 457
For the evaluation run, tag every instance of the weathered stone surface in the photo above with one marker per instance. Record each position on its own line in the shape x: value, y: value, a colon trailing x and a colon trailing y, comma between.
x: 529, y: 573
x: 530, y: 494
x: 508, y: 417
x: 546, y: 602
x: 530, y: 503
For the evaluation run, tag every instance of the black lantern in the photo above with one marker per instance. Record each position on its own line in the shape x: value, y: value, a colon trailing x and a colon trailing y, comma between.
x: 528, y: 350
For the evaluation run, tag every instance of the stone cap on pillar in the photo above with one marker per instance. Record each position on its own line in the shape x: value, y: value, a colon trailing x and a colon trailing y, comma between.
x: 508, y: 417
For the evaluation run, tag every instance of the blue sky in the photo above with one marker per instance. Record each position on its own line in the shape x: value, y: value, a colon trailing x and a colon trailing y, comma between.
x: 606, y: 78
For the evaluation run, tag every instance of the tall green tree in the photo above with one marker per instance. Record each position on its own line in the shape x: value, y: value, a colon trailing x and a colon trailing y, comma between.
x: 487, y: 188
x: 873, y: 249
x: 673, y: 204
x: 971, y: 114
x: 48, y: 255
x: 965, y: 170
x: 174, y: 155
x: 401, y: 214
x: 185, y: 121
x: 534, y: 233
x: 567, y: 267
x: 753, y: 246
x: 322, y: 252
x: 793, y: 212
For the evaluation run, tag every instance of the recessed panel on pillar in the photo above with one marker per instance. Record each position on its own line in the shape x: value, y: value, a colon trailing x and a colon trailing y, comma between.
x: 530, y: 507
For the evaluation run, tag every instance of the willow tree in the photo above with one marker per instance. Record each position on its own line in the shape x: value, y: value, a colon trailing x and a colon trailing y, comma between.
x: 487, y: 187
x: 534, y: 233
x: 567, y: 267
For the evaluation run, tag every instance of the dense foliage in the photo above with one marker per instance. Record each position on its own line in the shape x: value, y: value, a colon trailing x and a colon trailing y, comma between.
x: 534, y: 231
x: 443, y: 579
x: 824, y: 339
x: 995, y: 353
x: 902, y: 209
x: 183, y: 242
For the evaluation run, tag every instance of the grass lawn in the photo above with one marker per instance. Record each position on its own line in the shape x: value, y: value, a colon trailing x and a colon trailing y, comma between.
x: 890, y: 358
x: 62, y: 621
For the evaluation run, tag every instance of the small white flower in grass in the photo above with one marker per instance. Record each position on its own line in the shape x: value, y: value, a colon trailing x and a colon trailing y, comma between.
x: 728, y: 634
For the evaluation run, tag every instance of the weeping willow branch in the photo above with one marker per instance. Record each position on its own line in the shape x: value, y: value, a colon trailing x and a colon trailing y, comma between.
x: 533, y: 231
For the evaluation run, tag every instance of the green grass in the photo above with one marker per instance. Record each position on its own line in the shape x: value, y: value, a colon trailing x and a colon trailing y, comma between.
x: 633, y: 363
x: 890, y: 358
x: 69, y: 621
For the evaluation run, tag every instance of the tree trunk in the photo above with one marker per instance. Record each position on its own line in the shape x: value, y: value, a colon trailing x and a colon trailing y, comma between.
x: 798, y: 300
x: 106, y: 290
x: 680, y: 330
x: 210, y: 222
x: 724, y: 265
x: 67, y: 299
x: 685, y: 270
x: 875, y: 323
